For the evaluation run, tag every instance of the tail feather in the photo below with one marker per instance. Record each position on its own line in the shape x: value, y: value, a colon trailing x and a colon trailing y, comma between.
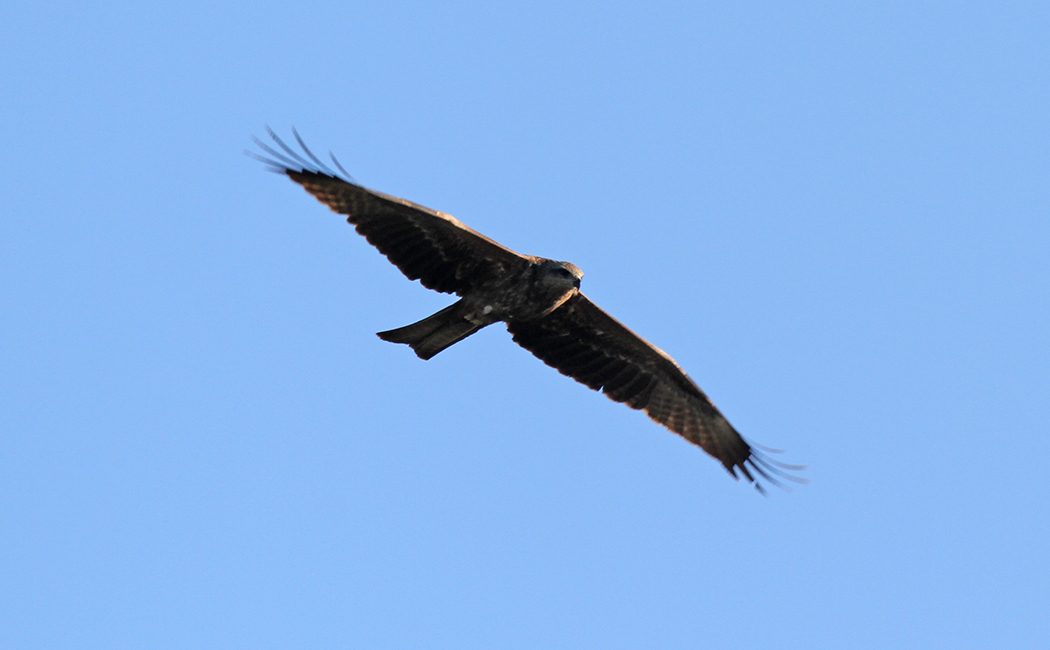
x: 434, y: 333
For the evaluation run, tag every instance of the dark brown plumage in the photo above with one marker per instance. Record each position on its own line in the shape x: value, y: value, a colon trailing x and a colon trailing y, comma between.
x: 538, y: 299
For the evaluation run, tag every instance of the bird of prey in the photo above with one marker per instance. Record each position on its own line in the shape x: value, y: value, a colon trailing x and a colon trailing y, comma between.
x: 539, y: 300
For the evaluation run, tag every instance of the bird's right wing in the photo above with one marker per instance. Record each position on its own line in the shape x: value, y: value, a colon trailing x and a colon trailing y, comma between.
x: 582, y: 341
x: 427, y: 245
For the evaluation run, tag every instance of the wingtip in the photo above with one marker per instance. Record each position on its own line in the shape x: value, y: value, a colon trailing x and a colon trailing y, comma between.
x: 758, y: 467
x: 288, y: 161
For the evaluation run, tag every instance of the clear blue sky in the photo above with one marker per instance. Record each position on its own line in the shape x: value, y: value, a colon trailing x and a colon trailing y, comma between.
x: 836, y: 216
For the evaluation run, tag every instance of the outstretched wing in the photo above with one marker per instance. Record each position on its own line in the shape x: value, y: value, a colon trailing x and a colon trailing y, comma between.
x: 585, y: 343
x: 427, y: 245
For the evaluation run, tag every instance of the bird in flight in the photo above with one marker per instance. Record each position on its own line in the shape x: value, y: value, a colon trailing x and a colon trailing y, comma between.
x: 539, y: 300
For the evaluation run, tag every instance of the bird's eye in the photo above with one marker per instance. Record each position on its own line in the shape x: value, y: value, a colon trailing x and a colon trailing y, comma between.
x: 564, y: 273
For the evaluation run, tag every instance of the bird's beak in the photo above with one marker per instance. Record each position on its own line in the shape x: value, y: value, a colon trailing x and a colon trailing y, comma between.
x: 576, y: 283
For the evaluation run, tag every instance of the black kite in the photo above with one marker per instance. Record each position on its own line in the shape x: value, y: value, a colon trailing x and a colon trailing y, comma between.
x: 539, y: 300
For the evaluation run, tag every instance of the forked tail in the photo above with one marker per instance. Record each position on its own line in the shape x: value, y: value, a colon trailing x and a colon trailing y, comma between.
x: 434, y: 333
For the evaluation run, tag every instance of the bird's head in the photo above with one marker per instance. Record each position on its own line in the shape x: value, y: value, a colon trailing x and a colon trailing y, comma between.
x: 562, y: 275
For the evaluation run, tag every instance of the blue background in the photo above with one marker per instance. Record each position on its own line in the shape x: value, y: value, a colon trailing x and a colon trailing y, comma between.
x: 836, y: 216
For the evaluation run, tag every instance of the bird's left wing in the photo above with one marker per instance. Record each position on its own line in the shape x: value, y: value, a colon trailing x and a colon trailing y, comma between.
x: 427, y: 245
x: 582, y: 341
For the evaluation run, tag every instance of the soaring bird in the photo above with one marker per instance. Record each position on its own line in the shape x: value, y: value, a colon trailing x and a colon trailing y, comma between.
x: 539, y: 300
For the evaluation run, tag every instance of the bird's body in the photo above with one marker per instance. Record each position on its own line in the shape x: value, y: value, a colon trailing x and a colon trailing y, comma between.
x: 525, y: 294
x: 538, y: 299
